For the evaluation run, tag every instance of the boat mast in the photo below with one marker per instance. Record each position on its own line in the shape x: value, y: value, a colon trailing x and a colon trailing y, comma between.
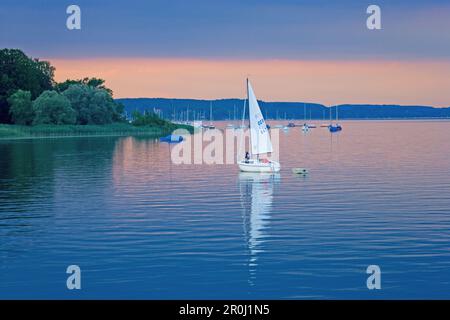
x: 331, y: 121
x: 249, y: 123
x: 210, y: 113
x: 304, y: 112
x: 242, y: 141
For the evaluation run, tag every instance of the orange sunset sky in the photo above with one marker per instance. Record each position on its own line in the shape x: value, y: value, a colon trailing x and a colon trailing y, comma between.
x: 328, y: 82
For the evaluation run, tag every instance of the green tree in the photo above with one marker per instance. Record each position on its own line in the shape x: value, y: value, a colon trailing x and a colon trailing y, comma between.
x: 93, y: 105
x: 119, y: 114
x: 91, y: 82
x: 63, y: 86
x: 52, y: 107
x: 148, y: 118
x: 17, y: 71
x: 21, y: 109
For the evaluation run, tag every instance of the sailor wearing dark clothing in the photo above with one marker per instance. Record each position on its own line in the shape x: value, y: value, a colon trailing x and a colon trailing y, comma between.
x: 247, y: 157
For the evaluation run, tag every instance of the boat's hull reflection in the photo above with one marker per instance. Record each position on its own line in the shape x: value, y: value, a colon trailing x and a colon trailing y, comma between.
x: 256, y: 191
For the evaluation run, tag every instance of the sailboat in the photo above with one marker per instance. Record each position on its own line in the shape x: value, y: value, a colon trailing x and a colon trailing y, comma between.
x: 210, y: 126
x: 259, y: 139
x: 232, y: 125
x: 337, y: 127
x: 305, y: 127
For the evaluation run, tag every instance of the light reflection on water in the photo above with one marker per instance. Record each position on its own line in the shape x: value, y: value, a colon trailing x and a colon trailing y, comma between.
x: 141, y: 227
x: 256, y: 199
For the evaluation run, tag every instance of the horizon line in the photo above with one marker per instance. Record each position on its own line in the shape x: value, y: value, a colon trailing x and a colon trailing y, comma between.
x: 305, y: 102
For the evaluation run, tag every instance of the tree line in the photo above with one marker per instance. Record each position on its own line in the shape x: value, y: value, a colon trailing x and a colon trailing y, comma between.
x: 29, y: 95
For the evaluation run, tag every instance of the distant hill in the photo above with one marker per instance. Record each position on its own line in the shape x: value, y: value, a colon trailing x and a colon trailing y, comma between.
x: 225, y: 109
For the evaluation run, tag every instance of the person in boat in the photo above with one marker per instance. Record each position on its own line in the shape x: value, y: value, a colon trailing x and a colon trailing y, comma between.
x: 247, y: 157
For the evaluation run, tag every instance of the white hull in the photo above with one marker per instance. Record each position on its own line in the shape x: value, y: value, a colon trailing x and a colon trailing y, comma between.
x: 257, y: 166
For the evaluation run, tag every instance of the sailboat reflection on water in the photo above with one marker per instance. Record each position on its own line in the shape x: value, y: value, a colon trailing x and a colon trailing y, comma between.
x: 256, y: 192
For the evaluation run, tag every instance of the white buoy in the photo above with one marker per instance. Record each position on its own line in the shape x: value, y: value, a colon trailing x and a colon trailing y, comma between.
x: 300, y: 171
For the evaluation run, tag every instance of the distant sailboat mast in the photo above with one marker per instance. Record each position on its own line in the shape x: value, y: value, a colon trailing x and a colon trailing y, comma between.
x: 210, y: 113
x: 304, y: 112
x: 337, y: 114
x: 331, y: 119
x: 336, y: 127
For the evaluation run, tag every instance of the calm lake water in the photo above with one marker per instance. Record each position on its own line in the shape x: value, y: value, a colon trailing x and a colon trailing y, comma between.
x: 140, y: 227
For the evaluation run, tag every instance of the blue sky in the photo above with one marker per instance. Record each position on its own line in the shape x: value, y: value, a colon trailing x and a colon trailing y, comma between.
x: 232, y: 29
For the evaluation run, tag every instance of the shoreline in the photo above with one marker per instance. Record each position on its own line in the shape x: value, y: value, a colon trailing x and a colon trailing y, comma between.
x: 9, y: 132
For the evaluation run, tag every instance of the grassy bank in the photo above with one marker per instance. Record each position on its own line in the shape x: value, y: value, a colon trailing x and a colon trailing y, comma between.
x: 60, y: 131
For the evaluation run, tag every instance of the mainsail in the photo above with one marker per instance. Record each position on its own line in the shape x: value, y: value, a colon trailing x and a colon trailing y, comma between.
x: 259, y: 134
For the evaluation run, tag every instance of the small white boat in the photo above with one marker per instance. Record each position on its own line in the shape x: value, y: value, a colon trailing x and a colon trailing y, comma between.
x: 255, y: 165
x: 301, y: 171
x: 305, y: 128
x: 259, y: 139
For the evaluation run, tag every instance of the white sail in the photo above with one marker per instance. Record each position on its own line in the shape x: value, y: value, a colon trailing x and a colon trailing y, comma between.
x: 259, y: 134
